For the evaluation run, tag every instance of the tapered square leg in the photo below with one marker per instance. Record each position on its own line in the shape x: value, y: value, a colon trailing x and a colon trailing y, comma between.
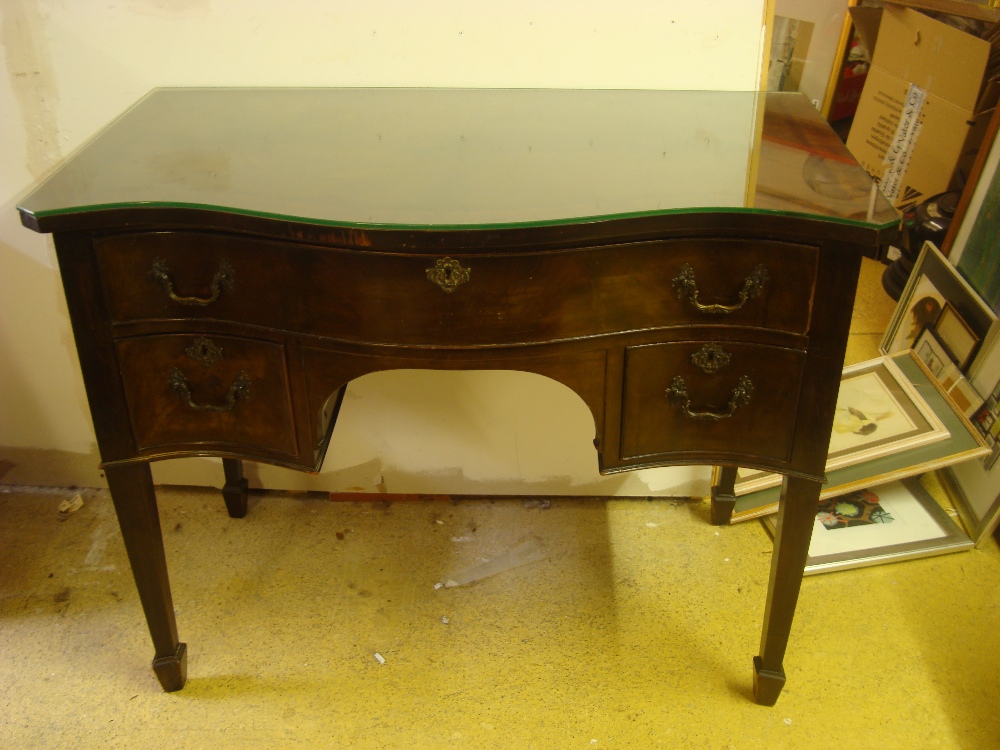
x: 724, y: 496
x: 796, y: 516
x: 235, y: 490
x: 134, y: 498
x: 766, y: 684
x: 171, y: 671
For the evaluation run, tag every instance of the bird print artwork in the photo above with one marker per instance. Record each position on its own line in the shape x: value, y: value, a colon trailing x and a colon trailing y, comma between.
x: 857, y: 422
x: 867, y: 411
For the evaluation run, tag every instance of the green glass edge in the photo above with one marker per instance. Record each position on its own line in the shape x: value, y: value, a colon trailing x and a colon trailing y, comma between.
x: 454, y: 227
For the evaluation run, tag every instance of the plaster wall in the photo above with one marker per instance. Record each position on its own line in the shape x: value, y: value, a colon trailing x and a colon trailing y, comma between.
x: 70, y: 66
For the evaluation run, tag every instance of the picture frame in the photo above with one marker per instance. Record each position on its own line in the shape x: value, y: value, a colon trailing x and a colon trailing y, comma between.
x: 975, y: 493
x: 964, y: 445
x: 965, y: 397
x: 933, y: 278
x: 976, y: 244
x: 918, y: 308
x: 984, y: 372
x: 950, y: 376
x: 932, y: 352
x: 957, y: 336
x: 893, y: 522
x: 879, y: 413
x: 987, y: 421
x: 974, y: 487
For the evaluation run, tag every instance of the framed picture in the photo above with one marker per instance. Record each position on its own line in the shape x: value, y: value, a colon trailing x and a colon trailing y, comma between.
x: 933, y: 283
x: 977, y: 243
x: 984, y: 372
x: 964, y: 445
x: 956, y: 335
x: 922, y: 308
x: 897, y: 521
x: 879, y: 413
x: 932, y: 352
x: 975, y: 493
x: 950, y: 376
x: 987, y: 421
x: 974, y: 486
x: 965, y: 397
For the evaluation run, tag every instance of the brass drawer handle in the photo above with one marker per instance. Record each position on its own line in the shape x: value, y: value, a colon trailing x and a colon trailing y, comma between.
x: 240, y: 389
x: 448, y: 274
x: 686, y: 286
x: 677, y: 393
x: 223, y: 279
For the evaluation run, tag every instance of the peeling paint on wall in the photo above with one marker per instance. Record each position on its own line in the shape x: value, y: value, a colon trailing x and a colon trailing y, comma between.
x: 171, y: 9
x: 33, y: 81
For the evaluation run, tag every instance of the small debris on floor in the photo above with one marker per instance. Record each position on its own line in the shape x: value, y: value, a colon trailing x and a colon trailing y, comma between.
x: 379, y: 658
x: 445, y: 620
x: 527, y: 552
x: 68, y: 507
x: 438, y: 585
x: 538, y: 502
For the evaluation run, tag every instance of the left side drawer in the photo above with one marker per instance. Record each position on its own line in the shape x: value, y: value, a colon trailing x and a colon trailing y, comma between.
x: 207, y: 392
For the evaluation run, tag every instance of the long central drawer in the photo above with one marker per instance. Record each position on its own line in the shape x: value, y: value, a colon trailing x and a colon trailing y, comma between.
x: 370, y: 296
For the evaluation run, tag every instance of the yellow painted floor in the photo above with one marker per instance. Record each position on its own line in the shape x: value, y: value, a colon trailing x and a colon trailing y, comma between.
x: 636, y: 630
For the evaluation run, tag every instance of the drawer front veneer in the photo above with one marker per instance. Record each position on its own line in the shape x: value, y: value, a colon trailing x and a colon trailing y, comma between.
x: 698, y: 397
x: 209, y: 391
x: 478, y: 298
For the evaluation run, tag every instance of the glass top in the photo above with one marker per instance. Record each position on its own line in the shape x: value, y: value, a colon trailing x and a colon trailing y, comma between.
x: 466, y: 158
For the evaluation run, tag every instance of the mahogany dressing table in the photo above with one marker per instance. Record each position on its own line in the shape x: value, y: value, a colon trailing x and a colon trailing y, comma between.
x: 685, y: 262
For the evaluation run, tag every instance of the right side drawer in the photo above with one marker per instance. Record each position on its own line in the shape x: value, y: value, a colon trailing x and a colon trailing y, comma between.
x: 702, y: 397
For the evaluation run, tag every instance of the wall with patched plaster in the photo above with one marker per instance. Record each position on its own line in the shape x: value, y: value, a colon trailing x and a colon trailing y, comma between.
x: 70, y: 66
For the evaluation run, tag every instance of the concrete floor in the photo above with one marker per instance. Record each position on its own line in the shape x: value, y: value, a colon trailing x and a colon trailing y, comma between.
x: 636, y: 630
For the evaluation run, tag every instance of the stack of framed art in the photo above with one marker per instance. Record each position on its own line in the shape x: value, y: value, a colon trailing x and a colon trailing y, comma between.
x: 888, y: 523
x: 879, y: 414
x: 873, y: 509
x: 925, y: 431
x: 931, y: 402
x: 972, y: 378
x: 942, y: 318
x: 973, y: 247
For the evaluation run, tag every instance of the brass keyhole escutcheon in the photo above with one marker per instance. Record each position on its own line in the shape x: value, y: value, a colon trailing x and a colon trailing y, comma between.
x: 711, y: 358
x: 448, y: 274
x: 204, y: 351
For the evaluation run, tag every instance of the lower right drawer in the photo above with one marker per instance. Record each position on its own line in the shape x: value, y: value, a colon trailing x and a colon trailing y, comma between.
x: 702, y: 397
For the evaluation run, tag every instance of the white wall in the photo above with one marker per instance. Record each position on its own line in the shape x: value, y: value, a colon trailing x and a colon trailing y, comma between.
x: 72, y: 65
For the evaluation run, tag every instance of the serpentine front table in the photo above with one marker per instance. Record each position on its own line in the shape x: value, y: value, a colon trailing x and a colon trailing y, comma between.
x: 685, y: 262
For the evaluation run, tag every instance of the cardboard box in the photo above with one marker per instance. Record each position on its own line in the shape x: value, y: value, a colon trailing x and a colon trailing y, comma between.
x: 918, y: 105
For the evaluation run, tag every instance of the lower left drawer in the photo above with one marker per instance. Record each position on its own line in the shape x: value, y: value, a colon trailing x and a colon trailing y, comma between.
x: 187, y: 391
